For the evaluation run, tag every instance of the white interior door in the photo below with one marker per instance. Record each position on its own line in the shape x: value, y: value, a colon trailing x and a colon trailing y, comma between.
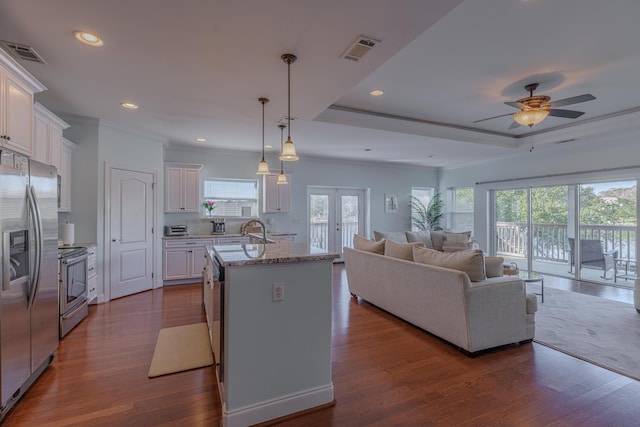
x: 131, y: 232
x: 335, y: 215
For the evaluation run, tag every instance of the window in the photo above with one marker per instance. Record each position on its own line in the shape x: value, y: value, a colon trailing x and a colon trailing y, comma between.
x: 461, y: 212
x: 233, y: 197
x: 424, y: 195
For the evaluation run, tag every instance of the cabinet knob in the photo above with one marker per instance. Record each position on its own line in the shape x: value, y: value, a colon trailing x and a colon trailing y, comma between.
x: 115, y: 240
x: 8, y: 138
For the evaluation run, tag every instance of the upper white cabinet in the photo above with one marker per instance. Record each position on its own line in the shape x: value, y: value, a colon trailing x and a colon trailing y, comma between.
x: 182, y: 187
x: 64, y: 176
x: 277, y: 197
x: 47, y: 137
x: 17, y: 87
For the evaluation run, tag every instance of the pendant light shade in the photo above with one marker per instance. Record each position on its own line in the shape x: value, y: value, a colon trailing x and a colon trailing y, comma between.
x: 263, y: 167
x: 282, y: 178
x: 288, y: 153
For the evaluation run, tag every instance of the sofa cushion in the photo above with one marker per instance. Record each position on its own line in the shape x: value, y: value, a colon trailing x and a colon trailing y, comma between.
x: 420, y: 236
x: 364, y: 244
x: 396, y: 236
x: 493, y: 266
x: 471, y: 262
x: 401, y: 250
x: 437, y: 239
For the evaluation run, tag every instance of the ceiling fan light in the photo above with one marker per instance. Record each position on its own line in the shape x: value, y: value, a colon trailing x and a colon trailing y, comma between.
x: 263, y: 168
x: 282, y: 178
x: 289, y: 152
x: 530, y: 117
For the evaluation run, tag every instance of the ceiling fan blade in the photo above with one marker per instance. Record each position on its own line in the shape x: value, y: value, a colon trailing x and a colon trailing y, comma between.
x: 514, y: 125
x: 515, y: 104
x: 495, y: 117
x: 568, y: 114
x: 573, y: 100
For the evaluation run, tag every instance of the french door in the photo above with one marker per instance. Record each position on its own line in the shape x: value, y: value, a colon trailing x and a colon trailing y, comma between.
x: 335, y: 215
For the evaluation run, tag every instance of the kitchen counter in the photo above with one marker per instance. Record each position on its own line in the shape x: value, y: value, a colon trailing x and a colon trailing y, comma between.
x: 280, y: 251
x: 270, y: 328
x: 203, y: 236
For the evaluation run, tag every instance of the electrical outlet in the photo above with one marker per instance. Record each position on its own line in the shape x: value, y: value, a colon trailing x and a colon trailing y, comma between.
x: 278, y: 291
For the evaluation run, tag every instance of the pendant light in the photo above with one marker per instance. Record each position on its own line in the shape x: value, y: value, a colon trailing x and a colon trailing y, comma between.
x: 263, y: 167
x: 288, y: 153
x: 282, y: 178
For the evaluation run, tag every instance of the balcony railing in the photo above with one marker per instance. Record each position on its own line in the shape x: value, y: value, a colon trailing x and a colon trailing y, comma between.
x: 550, y: 241
x: 319, y: 233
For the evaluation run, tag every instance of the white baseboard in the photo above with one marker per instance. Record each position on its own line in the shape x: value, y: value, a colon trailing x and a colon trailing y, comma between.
x: 279, y: 407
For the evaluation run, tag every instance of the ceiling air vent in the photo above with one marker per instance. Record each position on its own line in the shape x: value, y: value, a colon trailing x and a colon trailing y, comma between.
x: 359, y: 47
x: 21, y: 51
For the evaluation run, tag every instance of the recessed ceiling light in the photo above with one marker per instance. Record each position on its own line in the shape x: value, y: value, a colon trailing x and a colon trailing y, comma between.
x: 201, y: 140
x: 376, y: 92
x: 129, y: 105
x: 88, y: 38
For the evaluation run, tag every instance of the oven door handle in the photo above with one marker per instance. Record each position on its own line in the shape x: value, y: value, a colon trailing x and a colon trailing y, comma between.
x: 74, y: 260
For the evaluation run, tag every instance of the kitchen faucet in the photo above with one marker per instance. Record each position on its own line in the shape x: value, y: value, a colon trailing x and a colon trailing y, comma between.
x: 256, y: 221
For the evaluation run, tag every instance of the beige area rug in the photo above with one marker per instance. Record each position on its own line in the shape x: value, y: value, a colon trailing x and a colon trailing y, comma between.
x: 180, y: 349
x: 597, y: 330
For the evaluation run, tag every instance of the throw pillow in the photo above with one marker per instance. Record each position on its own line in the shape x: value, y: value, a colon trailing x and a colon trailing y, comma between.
x: 471, y: 262
x: 420, y: 236
x: 400, y: 250
x: 451, y: 237
x: 437, y: 238
x: 364, y: 244
x: 455, y: 247
x: 396, y: 236
x: 493, y: 266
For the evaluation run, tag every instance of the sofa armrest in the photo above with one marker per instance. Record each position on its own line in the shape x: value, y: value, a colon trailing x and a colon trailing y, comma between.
x: 496, y: 312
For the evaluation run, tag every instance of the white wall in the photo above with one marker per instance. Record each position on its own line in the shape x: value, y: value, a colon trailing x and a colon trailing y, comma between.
x: 98, y: 143
x: 379, y: 178
x: 545, y: 163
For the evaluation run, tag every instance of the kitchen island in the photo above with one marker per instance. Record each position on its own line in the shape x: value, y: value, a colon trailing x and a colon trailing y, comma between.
x: 270, y: 327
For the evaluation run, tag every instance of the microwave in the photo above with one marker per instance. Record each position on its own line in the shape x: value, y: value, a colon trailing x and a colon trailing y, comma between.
x: 176, y: 230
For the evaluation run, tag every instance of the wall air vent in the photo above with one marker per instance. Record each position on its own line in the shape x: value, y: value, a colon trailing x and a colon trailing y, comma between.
x: 359, y: 48
x: 21, y: 51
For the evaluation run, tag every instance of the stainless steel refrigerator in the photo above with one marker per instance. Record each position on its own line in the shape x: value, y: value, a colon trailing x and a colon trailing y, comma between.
x: 29, y: 252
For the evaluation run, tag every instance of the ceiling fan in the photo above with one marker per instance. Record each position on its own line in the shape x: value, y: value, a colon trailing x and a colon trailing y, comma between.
x: 535, y: 108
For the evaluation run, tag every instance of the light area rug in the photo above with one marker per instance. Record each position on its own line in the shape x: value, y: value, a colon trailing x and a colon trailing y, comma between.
x: 181, y: 348
x: 597, y: 330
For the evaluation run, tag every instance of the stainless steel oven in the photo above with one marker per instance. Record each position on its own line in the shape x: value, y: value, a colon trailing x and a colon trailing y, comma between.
x: 73, y: 288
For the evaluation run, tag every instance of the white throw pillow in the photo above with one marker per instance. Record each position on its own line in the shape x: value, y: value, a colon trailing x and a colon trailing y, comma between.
x: 400, y: 250
x: 420, y: 236
x: 471, y: 262
x: 396, y: 236
x: 364, y: 244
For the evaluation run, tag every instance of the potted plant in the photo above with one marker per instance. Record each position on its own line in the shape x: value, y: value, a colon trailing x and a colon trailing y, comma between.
x: 428, y: 217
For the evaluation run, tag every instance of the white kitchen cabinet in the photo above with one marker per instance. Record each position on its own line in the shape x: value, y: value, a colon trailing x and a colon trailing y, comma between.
x: 64, y: 176
x: 183, y: 259
x: 47, y: 137
x: 182, y: 188
x: 92, y: 275
x: 277, y: 197
x: 17, y: 87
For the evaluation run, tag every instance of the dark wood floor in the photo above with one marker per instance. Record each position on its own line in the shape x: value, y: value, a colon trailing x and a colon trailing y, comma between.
x: 385, y: 372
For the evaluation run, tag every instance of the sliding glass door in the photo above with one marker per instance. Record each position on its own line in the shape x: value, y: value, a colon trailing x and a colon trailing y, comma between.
x: 554, y: 229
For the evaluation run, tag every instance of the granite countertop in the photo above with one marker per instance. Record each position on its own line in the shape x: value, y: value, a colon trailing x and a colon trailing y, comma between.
x: 283, y: 251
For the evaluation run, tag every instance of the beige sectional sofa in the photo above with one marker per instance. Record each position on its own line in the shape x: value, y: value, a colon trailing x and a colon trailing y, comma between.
x: 473, y: 316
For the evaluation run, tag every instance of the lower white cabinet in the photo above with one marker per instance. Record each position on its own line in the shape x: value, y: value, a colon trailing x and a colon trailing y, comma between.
x: 183, y: 259
x: 92, y: 275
